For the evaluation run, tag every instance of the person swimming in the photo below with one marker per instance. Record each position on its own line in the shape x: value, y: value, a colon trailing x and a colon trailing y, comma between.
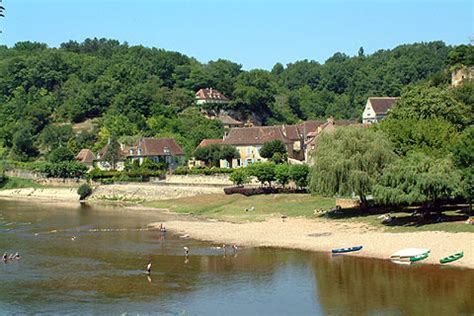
x: 5, y: 257
x: 148, y: 267
x: 17, y: 256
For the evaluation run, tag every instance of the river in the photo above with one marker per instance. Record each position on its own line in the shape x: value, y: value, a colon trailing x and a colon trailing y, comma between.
x: 91, y: 260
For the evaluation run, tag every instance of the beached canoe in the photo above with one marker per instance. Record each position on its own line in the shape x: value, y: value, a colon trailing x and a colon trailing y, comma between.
x: 419, y: 257
x: 452, y: 258
x: 408, y: 253
x: 344, y: 250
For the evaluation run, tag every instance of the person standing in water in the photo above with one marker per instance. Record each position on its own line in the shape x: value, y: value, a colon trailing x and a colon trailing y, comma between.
x: 148, y: 267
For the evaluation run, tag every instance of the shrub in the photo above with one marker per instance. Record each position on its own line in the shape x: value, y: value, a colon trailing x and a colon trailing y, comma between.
x: 264, y: 172
x: 240, y: 177
x: 282, y: 174
x: 65, y: 169
x: 84, y: 191
x: 299, y: 174
x: 202, y: 171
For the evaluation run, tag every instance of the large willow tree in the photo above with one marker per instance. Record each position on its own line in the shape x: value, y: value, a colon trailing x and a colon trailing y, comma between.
x: 348, y: 161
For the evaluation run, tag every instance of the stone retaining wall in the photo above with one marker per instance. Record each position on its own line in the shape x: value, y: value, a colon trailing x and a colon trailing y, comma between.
x: 221, y: 179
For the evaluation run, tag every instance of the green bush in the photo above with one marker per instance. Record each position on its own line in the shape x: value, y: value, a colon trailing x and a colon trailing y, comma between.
x: 65, y: 169
x: 240, y: 176
x: 111, y: 176
x: 202, y: 171
x: 84, y: 191
x: 300, y: 175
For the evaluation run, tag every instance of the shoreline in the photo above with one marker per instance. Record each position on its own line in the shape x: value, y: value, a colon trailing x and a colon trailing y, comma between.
x: 319, y: 235
x: 323, y: 236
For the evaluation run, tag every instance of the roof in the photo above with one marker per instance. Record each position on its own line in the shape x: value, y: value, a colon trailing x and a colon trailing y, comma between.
x: 121, y: 153
x: 381, y: 105
x: 258, y: 135
x: 311, y: 126
x: 210, y: 95
x: 86, y: 156
x: 227, y: 120
x: 292, y: 132
x: 210, y: 141
x: 159, y: 147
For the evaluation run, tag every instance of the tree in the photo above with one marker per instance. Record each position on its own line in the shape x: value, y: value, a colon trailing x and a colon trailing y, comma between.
x: 422, y: 102
x: 112, y: 153
x: 417, y: 179
x: 84, y: 191
x: 209, y: 154
x: 229, y: 153
x: 264, y: 172
x: 350, y: 160
x: 271, y: 148
x: 65, y: 169
x: 54, y: 136
x: 240, y: 176
x: 23, y: 147
x: 282, y: 174
x: 463, y: 158
x: 60, y: 154
x: 299, y: 174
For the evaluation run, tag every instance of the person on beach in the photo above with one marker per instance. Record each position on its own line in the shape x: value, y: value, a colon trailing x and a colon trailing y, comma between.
x: 224, y: 247
x: 234, y: 247
x: 186, y: 251
x: 148, y: 267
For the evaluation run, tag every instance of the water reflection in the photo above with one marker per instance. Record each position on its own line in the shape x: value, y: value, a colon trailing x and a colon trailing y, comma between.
x: 103, y: 271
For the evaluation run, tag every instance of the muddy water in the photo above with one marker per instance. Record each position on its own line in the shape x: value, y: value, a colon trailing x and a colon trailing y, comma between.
x: 101, y: 270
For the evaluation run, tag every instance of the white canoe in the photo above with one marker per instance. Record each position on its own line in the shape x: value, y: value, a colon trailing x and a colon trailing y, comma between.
x: 408, y: 253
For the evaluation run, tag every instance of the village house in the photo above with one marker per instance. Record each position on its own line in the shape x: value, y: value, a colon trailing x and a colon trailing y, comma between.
x: 164, y: 150
x: 377, y: 109
x: 210, y: 96
x: 248, y: 142
x: 86, y: 157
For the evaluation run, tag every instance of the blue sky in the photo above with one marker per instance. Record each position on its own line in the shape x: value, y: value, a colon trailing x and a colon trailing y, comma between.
x: 256, y: 34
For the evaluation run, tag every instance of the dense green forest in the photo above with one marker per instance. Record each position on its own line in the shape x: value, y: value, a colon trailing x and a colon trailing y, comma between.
x: 128, y: 91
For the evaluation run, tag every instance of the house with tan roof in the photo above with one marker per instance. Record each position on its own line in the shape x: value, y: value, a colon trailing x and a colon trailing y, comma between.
x: 86, y: 157
x: 210, y: 95
x: 164, y: 150
x: 377, y: 108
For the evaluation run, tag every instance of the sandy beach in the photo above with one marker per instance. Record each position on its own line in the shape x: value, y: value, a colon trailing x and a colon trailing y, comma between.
x: 324, y: 235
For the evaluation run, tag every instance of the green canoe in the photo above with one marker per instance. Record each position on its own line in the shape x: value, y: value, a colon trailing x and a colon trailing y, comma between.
x: 419, y: 257
x: 452, y: 258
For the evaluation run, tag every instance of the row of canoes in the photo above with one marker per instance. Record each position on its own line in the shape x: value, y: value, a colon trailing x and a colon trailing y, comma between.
x: 406, y: 256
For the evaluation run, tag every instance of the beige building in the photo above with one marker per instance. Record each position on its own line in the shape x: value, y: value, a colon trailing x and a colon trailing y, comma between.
x: 376, y: 109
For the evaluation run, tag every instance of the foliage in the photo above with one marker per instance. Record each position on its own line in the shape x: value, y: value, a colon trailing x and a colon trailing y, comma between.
x: 151, y: 165
x: 212, y: 154
x: 264, y: 172
x: 417, y: 179
x: 10, y: 183
x: 461, y: 55
x: 350, y: 160
x: 282, y: 174
x: 64, y: 169
x: 84, y: 191
x: 433, y: 136
x: 110, y: 176
x: 112, y: 153
x: 299, y: 174
x: 423, y: 102
x: 274, y: 150
x: 60, y: 154
x: 240, y: 176
x: 463, y: 158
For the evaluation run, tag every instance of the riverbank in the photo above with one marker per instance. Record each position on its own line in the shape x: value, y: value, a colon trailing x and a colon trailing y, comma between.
x: 323, y: 235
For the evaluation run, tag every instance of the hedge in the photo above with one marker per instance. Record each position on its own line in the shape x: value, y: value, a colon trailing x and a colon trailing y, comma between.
x: 202, y: 171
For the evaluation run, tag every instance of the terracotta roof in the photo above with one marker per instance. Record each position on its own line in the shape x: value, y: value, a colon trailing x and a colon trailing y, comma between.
x: 86, y: 156
x: 210, y: 141
x: 381, y: 105
x: 311, y: 126
x: 292, y: 132
x: 159, y: 147
x: 121, y: 153
x: 227, y: 120
x: 210, y: 95
x: 255, y: 135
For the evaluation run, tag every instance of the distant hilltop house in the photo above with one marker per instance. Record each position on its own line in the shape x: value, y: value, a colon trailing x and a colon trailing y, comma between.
x: 460, y: 75
x: 164, y: 150
x: 209, y: 95
x: 377, y: 109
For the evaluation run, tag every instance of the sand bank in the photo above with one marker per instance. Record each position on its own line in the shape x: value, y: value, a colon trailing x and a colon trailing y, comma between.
x: 324, y: 235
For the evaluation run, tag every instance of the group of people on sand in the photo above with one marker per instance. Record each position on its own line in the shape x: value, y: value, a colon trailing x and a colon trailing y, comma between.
x: 162, y: 228
x: 11, y: 256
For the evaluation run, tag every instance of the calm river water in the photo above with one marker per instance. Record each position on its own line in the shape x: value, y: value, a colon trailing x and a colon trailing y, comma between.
x: 102, y: 272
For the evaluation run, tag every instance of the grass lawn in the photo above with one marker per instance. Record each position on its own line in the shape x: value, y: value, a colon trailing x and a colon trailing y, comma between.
x: 17, y: 183
x: 453, y: 223
x: 232, y: 207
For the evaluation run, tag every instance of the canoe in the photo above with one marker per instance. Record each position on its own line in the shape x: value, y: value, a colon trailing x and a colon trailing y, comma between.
x: 419, y: 257
x: 344, y: 250
x: 409, y: 253
x: 452, y: 258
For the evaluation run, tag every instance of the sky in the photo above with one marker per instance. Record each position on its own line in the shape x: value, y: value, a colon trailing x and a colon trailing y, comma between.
x: 256, y: 34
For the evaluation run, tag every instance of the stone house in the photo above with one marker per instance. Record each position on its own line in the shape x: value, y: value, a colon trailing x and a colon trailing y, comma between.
x: 376, y: 109
x: 209, y: 96
x: 205, y: 142
x: 461, y: 74
x: 86, y: 157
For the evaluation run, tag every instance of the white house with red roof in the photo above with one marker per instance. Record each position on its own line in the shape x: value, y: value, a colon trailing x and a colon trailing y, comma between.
x: 377, y: 108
